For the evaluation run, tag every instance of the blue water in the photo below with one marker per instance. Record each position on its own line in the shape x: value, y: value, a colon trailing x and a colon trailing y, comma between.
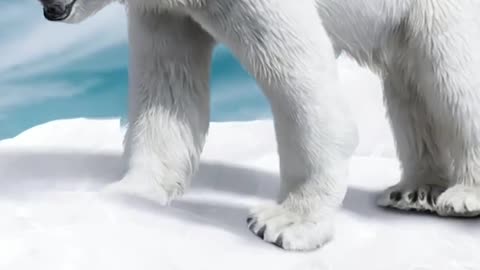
x: 46, y: 77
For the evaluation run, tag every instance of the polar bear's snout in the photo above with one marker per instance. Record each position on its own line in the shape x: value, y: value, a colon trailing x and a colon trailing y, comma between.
x: 57, y: 10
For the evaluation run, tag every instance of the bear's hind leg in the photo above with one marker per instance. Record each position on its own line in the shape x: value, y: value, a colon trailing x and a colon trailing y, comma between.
x: 446, y: 68
x: 168, y: 104
x: 422, y: 181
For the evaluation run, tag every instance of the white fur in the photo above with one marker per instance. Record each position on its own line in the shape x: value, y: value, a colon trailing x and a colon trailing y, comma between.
x: 422, y: 49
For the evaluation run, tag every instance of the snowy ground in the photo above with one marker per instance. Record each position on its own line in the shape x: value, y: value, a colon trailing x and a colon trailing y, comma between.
x: 53, y: 217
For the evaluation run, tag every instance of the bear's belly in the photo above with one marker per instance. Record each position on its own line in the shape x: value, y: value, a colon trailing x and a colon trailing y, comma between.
x: 361, y: 27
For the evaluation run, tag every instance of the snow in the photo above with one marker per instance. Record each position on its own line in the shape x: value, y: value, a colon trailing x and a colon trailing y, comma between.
x: 54, y: 216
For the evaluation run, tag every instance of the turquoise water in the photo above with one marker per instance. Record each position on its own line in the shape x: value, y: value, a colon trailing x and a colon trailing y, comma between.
x: 46, y: 76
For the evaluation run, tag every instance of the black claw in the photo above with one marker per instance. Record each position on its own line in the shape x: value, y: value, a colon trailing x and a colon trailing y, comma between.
x: 413, y: 197
x: 261, y: 232
x: 422, y: 195
x: 279, y: 241
x: 465, y: 208
x: 434, y: 200
x: 249, y: 220
x: 435, y: 195
x: 396, y: 196
x: 430, y: 198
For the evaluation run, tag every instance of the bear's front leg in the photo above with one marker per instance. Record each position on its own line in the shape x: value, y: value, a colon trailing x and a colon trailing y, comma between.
x: 168, y: 104
x: 288, y: 51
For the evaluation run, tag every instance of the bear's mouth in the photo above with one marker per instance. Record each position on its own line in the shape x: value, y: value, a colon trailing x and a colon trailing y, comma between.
x: 58, y: 12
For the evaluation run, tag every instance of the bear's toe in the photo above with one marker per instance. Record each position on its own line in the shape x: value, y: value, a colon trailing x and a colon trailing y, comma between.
x: 459, y: 201
x: 419, y: 198
x: 144, y: 184
x: 289, y: 230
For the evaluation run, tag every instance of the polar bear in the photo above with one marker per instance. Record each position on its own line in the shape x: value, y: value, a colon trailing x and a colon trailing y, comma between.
x: 425, y: 51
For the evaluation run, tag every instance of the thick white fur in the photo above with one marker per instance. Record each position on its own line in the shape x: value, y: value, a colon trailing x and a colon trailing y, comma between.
x: 426, y: 51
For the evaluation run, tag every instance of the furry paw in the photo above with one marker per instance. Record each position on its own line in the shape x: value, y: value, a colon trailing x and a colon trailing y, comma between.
x: 146, y: 185
x: 289, y: 230
x: 420, y: 198
x: 459, y: 201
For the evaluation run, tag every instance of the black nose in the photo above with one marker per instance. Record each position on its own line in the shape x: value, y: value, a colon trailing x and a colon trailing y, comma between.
x: 55, y: 9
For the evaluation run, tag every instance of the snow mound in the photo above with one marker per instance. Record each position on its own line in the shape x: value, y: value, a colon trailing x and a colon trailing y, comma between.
x: 52, y: 216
